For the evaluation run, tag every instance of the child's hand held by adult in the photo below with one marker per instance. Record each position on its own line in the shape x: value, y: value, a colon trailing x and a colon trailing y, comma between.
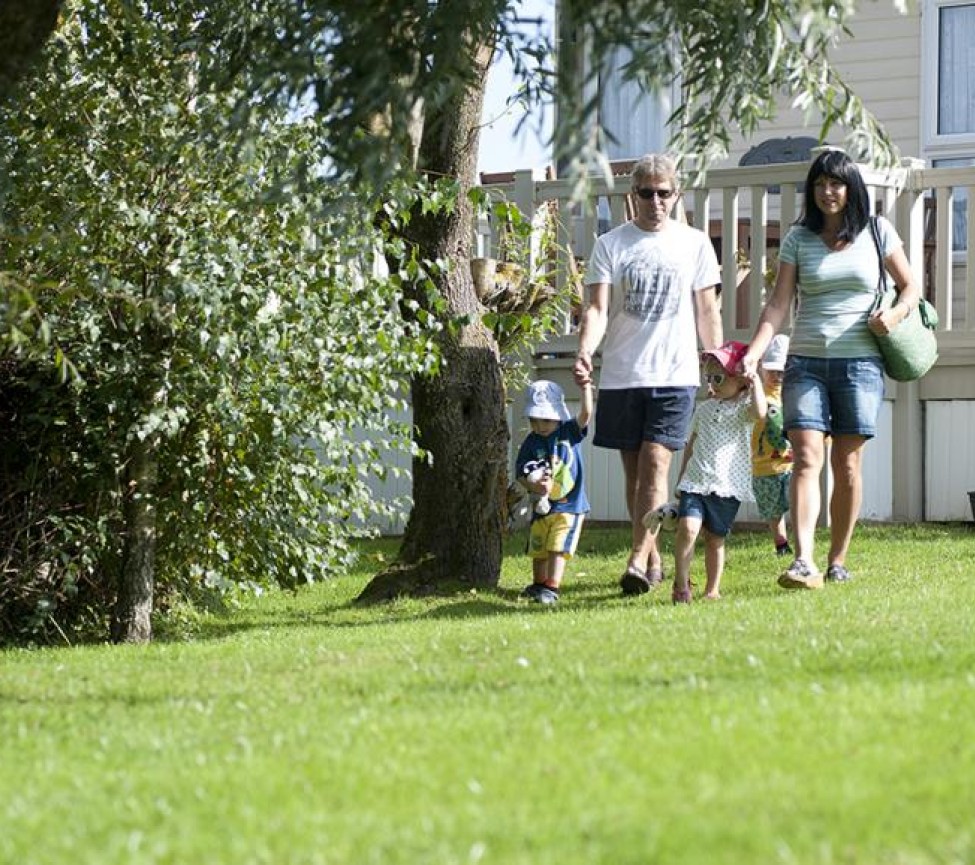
x: 582, y: 368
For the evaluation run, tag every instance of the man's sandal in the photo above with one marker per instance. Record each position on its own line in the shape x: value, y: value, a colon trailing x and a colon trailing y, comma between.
x: 634, y: 582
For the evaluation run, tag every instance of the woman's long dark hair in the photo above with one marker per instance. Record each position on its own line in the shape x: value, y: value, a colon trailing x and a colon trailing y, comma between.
x: 838, y: 166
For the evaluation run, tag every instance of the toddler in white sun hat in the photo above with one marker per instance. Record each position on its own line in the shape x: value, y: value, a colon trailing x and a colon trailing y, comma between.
x: 549, y: 465
x: 771, y: 451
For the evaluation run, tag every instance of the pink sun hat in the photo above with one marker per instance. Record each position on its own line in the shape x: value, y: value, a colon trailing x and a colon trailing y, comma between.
x: 727, y: 356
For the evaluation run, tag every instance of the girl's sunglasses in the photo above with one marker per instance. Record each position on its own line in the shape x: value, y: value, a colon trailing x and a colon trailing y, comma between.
x: 715, y: 379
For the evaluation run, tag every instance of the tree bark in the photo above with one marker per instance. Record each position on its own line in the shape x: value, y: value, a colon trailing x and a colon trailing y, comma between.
x: 131, y: 622
x: 453, y: 538
x: 24, y: 28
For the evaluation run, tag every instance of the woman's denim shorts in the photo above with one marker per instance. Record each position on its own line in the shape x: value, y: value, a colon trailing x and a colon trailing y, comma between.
x: 839, y: 396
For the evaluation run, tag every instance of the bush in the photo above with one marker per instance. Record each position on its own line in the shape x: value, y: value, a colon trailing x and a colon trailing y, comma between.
x: 196, y: 302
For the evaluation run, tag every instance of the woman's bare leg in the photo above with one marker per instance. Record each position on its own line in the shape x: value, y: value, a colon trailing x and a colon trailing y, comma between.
x: 846, y: 461
x: 808, y: 447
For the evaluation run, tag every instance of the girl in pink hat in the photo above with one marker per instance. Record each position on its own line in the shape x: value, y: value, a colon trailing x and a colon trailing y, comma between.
x: 716, y: 474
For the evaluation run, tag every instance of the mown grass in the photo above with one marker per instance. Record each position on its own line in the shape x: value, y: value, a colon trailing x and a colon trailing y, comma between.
x: 769, y: 727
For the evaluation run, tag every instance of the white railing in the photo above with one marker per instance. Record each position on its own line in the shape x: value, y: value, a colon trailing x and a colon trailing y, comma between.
x: 919, y: 467
x: 747, y: 209
x: 949, y: 236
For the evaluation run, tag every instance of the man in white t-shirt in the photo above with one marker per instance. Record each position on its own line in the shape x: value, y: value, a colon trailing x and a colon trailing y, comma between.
x: 652, y: 285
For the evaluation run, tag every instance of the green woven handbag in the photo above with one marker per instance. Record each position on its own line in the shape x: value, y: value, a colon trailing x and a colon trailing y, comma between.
x: 911, y: 348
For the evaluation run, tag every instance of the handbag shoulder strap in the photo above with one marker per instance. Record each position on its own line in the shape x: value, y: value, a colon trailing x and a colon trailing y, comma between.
x: 875, y: 233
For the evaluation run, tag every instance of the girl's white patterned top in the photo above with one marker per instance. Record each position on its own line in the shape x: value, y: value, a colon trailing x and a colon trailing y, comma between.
x: 721, y: 458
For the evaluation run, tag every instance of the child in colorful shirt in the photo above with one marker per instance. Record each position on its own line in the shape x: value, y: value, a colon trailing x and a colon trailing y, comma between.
x: 771, y: 451
x: 550, y: 466
x: 715, y: 475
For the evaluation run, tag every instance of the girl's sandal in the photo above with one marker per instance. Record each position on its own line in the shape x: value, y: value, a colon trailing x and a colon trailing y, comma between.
x: 681, y: 596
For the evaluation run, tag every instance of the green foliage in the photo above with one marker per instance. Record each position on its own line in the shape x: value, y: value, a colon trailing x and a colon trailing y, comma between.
x: 200, y: 298
x: 733, y: 62
x: 770, y: 727
x: 369, y: 74
x: 525, y: 299
x: 366, y: 70
x: 171, y: 252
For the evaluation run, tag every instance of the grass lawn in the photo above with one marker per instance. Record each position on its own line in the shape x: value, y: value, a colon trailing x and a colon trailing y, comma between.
x: 769, y: 727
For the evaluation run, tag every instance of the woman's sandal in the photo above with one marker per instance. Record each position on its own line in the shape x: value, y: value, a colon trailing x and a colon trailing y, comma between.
x: 681, y: 596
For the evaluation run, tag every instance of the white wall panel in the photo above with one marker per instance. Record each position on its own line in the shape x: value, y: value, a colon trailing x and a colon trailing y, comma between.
x: 396, y: 487
x: 949, y: 459
x: 878, y: 487
x: 948, y: 453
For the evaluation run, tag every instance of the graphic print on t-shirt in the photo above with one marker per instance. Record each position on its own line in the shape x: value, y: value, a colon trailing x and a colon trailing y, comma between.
x: 560, y: 464
x: 651, y: 286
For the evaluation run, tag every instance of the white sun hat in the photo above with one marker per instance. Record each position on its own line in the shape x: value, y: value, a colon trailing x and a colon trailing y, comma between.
x: 544, y: 400
x: 775, y: 354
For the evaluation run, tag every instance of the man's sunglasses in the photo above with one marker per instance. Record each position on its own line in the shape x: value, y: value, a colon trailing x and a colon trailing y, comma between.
x: 646, y: 193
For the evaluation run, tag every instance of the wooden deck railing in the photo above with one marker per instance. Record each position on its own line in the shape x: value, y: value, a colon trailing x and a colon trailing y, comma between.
x: 925, y: 464
x: 745, y: 209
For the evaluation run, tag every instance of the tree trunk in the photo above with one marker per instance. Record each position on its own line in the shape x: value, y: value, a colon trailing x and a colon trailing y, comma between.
x: 133, y: 608
x: 454, y: 534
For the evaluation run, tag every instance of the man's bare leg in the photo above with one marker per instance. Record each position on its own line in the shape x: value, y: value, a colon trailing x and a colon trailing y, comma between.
x: 646, y: 472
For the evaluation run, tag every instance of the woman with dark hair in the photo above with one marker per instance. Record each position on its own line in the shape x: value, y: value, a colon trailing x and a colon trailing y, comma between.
x: 834, y: 376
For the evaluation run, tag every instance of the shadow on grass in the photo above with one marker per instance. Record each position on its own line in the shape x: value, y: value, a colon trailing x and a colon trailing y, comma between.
x: 751, y: 572
x: 479, y: 604
x: 583, y: 593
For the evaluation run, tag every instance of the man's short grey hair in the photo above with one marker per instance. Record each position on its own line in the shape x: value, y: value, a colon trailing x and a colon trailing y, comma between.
x: 655, y: 165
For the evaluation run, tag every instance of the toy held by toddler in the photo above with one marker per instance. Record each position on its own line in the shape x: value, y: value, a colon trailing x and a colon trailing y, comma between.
x: 550, y: 466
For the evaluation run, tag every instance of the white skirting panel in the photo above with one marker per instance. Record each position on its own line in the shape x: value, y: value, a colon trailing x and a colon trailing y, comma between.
x: 396, y: 487
x: 604, y: 478
x: 949, y: 459
x: 878, y: 458
x: 948, y: 452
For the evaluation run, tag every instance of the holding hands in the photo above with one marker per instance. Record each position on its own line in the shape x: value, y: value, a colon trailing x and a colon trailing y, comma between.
x: 749, y: 363
x: 582, y: 368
